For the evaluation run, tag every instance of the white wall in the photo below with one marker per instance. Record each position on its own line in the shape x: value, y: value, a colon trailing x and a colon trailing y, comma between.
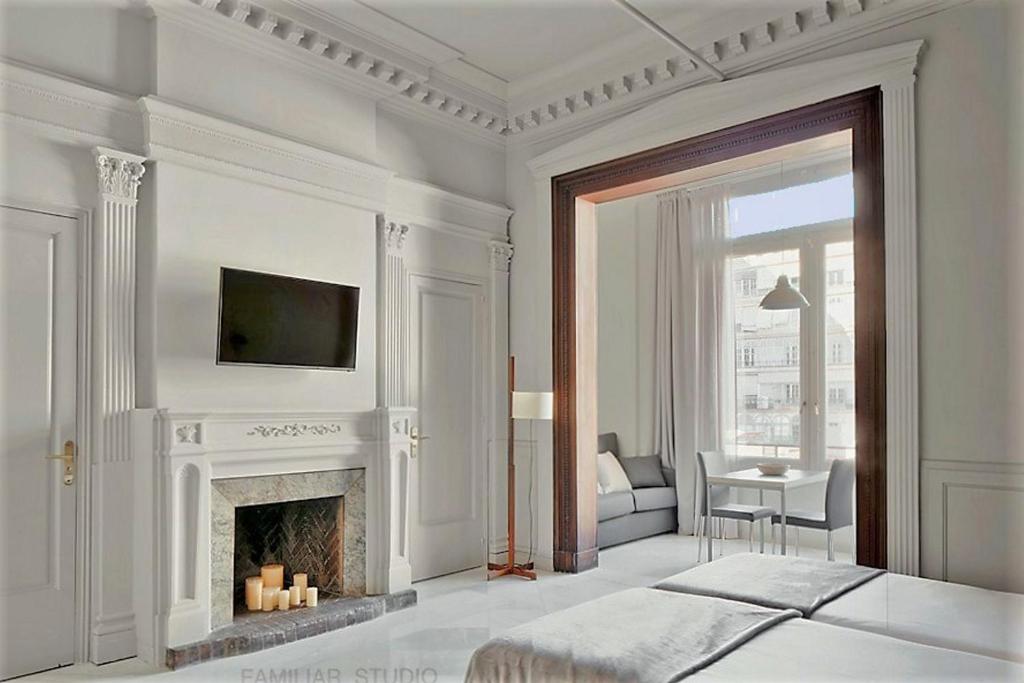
x: 626, y: 236
x: 94, y: 41
x: 191, y: 222
x: 972, y: 361
x: 415, y: 149
x: 229, y: 222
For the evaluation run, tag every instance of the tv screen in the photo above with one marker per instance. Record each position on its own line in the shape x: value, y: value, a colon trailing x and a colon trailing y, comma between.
x: 276, y: 320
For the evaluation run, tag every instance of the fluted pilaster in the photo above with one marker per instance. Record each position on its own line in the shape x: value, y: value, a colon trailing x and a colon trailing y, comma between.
x: 901, y: 359
x: 392, y: 315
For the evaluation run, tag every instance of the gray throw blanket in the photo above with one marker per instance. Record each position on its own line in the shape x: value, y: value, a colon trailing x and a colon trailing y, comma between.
x: 771, y: 580
x: 639, y: 635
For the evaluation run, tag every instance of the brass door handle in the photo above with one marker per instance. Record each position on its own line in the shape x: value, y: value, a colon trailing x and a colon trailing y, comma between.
x: 68, y: 456
x: 415, y: 437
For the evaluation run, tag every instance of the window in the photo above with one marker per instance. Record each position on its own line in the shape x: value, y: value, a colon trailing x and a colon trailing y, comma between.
x: 837, y: 351
x: 841, y: 433
x: 789, y: 207
x: 748, y: 284
x: 768, y: 361
x: 773, y: 380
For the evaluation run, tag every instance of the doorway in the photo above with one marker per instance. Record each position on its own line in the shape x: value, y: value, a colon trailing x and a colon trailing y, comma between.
x: 574, y: 199
x: 39, y: 426
x: 447, y: 501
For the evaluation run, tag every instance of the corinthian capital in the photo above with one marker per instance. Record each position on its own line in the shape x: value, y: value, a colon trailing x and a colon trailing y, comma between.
x: 119, y: 173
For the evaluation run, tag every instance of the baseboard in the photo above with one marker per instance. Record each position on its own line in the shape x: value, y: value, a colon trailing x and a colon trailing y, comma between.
x: 575, y: 562
x: 112, y: 638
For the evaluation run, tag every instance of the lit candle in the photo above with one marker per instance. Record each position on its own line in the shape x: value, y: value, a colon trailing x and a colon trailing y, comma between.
x: 254, y: 593
x: 295, y: 596
x: 302, y: 581
x: 273, y: 576
x: 311, y: 597
x: 270, y: 599
x: 283, y: 599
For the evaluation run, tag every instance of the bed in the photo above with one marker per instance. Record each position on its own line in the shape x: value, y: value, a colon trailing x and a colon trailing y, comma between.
x: 945, y: 615
x: 644, y: 635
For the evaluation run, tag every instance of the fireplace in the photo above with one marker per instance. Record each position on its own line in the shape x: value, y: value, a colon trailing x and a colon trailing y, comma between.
x: 228, y: 492
x: 312, y: 522
x: 303, y: 535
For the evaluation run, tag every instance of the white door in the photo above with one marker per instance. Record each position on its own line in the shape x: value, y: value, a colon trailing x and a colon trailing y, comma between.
x: 447, y: 496
x: 38, y: 349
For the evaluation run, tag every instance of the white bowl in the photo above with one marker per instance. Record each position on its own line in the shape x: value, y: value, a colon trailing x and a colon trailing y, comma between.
x: 773, y: 469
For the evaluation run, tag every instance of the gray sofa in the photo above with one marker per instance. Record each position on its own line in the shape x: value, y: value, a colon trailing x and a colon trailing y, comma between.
x: 646, y: 511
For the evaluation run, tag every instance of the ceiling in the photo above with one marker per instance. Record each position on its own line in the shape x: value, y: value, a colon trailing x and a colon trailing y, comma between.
x: 516, y: 39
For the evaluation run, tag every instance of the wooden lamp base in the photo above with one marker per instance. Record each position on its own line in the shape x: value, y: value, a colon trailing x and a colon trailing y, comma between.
x: 524, y: 570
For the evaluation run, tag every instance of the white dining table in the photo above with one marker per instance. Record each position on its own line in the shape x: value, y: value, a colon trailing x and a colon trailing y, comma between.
x: 753, y: 479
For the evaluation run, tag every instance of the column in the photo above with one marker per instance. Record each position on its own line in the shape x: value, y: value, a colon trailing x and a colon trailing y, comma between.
x: 901, y: 311
x: 112, y: 630
x: 392, y: 315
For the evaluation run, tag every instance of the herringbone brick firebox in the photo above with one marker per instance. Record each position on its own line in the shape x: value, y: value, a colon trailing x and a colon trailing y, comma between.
x: 303, y: 535
x: 312, y: 522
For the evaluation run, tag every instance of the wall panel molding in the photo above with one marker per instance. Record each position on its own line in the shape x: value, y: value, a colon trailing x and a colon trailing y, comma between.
x: 971, y: 509
x: 183, y: 136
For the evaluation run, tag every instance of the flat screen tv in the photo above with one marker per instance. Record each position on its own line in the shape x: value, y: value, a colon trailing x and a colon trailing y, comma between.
x: 286, y: 321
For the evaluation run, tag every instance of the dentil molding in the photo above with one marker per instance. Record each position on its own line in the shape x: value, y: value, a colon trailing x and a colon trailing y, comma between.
x: 564, y: 100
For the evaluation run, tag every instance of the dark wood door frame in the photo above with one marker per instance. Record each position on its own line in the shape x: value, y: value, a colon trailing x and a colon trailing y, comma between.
x: 574, y: 264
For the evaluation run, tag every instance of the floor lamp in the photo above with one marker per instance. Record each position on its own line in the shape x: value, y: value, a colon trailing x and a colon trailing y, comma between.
x: 522, y: 405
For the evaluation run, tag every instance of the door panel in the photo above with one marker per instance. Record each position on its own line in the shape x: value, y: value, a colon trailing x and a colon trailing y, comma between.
x: 38, y: 352
x: 448, y: 473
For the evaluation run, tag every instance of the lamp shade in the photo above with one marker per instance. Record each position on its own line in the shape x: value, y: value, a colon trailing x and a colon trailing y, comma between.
x: 533, y: 405
x: 785, y: 297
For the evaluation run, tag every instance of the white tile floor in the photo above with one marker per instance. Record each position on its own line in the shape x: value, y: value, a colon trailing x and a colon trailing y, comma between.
x: 434, y: 640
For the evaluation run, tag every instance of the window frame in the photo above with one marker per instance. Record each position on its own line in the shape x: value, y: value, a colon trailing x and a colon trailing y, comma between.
x: 811, y: 241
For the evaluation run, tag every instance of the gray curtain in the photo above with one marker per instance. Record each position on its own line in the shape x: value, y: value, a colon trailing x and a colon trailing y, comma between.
x: 692, y: 359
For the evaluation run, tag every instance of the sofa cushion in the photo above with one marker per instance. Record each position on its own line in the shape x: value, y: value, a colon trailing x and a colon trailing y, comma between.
x: 644, y: 470
x: 655, y: 498
x: 612, y: 505
x: 610, y: 474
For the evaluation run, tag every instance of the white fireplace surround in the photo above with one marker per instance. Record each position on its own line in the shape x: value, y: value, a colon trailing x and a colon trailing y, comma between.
x: 173, y: 569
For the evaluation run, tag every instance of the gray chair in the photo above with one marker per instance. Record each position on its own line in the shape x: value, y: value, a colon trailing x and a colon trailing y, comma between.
x: 838, y: 512
x: 714, y: 463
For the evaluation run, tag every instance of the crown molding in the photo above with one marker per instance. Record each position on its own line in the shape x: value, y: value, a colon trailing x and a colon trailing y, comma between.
x: 414, y: 75
x: 744, y: 98
x: 823, y: 23
x: 190, y: 138
x: 342, y: 59
x: 66, y: 110
x: 418, y: 203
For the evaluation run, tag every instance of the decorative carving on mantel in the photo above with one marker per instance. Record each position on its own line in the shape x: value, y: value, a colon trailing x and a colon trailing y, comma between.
x: 295, y: 429
x: 501, y: 255
x: 119, y: 176
x: 394, y: 234
x: 187, y: 433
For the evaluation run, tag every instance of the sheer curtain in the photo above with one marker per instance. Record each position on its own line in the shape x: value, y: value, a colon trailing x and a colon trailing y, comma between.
x: 693, y: 395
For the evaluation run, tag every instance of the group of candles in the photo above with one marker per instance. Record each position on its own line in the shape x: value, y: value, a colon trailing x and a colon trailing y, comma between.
x: 267, y: 592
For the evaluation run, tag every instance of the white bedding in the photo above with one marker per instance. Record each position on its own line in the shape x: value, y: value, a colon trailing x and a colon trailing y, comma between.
x: 936, y: 613
x: 805, y: 650
x: 638, y: 635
